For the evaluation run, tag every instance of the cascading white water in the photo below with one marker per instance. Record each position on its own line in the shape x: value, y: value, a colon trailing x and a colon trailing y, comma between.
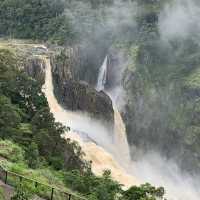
x: 153, y: 167
x: 102, y: 75
x: 99, y: 148
x: 120, y: 139
x: 109, y: 155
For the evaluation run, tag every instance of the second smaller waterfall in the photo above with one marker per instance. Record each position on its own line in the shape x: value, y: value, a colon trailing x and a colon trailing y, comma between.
x: 102, y: 75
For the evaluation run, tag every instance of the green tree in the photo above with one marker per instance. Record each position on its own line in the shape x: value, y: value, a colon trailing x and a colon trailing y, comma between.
x: 33, y: 156
x: 2, y: 196
x: 101, y: 188
x: 34, y: 19
x: 9, y: 118
x: 22, y: 193
x: 144, y: 192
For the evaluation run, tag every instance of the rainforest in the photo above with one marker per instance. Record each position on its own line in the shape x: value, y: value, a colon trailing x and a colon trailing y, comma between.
x: 99, y: 99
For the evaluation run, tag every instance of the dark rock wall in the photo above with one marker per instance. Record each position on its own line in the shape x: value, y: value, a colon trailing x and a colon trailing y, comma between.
x: 75, y: 94
x: 82, y: 97
x: 35, y: 67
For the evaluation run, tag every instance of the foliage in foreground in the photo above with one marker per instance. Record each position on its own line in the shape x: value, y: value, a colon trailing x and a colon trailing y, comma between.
x: 11, y: 151
x: 2, y: 197
x: 25, y: 118
x: 86, y: 184
x: 144, y: 192
x: 22, y: 193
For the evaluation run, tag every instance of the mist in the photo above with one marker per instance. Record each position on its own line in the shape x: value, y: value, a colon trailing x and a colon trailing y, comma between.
x: 180, y: 20
x: 114, y: 87
x: 103, y: 22
x: 151, y: 167
x: 97, y: 29
x: 159, y: 171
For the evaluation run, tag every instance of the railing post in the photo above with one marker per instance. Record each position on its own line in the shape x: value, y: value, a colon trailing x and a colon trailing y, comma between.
x: 6, y: 177
x: 70, y: 196
x: 20, y: 180
x: 52, y: 193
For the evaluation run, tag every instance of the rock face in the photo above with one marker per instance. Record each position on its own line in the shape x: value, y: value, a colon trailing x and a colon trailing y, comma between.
x: 35, y: 67
x: 64, y: 65
x: 114, y: 68
x: 76, y: 63
x: 77, y: 95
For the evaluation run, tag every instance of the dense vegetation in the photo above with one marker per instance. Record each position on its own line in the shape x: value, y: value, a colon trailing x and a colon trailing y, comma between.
x: 35, y: 19
x: 94, y: 188
x: 40, y: 19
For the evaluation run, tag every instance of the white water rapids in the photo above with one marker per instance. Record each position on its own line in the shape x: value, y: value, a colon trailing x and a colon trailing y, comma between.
x: 100, y: 148
x: 108, y: 153
x: 102, y: 75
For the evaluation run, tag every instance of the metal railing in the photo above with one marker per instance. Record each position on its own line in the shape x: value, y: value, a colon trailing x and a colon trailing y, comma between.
x: 42, y: 190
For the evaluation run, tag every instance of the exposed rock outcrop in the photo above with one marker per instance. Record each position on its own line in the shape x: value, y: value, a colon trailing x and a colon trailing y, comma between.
x: 75, y: 94
x: 76, y: 63
x: 78, y: 96
x: 64, y: 64
x: 35, y: 67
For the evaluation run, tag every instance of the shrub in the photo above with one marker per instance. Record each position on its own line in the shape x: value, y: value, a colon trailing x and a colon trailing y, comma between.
x: 11, y: 151
x: 22, y: 193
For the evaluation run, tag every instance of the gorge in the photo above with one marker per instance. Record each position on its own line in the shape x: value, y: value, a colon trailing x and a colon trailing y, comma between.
x: 94, y: 138
x: 111, y: 151
x: 98, y: 93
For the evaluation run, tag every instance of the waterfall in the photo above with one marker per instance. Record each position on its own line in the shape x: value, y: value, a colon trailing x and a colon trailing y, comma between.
x: 102, y: 75
x: 99, y: 148
x: 108, y: 154
x: 120, y: 139
x: 151, y: 167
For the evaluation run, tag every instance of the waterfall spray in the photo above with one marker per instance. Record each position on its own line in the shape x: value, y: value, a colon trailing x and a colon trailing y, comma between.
x: 98, y: 147
x: 103, y: 152
x: 102, y: 75
x: 120, y: 138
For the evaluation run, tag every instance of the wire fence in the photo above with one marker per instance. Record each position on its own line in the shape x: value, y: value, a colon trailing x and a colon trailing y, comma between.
x: 42, y: 190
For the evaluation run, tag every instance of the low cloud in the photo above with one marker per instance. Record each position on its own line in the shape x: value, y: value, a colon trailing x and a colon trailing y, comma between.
x: 180, y: 19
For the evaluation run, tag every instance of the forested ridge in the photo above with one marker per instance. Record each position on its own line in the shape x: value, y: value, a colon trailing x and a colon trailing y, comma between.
x: 43, y: 20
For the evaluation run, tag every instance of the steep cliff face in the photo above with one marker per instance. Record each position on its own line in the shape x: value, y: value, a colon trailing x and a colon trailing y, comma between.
x: 65, y: 62
x: 71, y: 91
x: 116, y: 66
x: 29, y: 57
x: 162, y: 86
x: 75, y: 94
x: 35, y: 67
